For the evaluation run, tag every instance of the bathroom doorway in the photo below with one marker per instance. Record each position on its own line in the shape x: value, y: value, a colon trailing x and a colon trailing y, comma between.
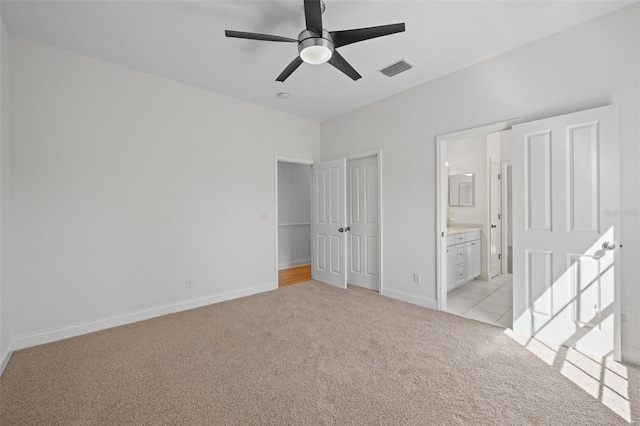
x: 474, y: 195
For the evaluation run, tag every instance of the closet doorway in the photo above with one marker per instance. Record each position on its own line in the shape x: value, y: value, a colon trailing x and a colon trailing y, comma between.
x: 293, y: 219
x: 328, y: 223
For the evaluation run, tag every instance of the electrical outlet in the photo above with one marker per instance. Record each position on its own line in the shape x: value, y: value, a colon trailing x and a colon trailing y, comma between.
x: 417, y: 278
x: 626, y: 319
x: 189, y: 283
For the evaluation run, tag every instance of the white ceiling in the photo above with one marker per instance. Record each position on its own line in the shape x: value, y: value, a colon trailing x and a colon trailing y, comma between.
x: 184, y: 41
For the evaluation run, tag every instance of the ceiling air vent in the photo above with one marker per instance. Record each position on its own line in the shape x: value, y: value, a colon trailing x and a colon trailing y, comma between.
x: 396, y: 68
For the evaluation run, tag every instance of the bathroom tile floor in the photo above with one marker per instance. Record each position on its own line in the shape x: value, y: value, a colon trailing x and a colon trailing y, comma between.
x: 486, y: 301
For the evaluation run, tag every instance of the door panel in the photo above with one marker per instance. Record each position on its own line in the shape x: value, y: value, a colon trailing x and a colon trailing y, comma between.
x: 583, y: 178
x: 566, y: 285
x: 327, y: 218
x: 354, y: 243
x: 321, y: 252
x: 363, y: 222
x: 372, y: 256
x: 537, y: 165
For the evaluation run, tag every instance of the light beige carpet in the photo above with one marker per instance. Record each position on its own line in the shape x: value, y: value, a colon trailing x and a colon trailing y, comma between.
x: 307, y: 354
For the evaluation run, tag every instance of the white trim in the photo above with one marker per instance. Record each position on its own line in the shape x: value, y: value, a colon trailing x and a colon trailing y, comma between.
x: 487, y: 224
x: 380, y: 221
x: 294, y: 263
x: 359, y: 155
x: 506, y: 195
x: 276, y: 159
x: 441, y: 222
x: 5, y: 359
x: 631, y: 355
x: 74, y: 330
x: 441, y: 199
x: 292, y: 160
x: 426, y: 302
x: 480, y: 130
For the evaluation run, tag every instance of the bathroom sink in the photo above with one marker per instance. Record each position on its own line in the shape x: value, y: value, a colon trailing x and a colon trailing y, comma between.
x: 454, y: 230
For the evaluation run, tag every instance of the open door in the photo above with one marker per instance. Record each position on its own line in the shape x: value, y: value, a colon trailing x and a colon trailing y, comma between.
x: 362, y: 218
x: 328, y: 214
x: 566, y: 288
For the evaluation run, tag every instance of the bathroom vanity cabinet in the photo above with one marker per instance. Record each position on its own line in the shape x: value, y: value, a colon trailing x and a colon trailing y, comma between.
x: 463, y: 256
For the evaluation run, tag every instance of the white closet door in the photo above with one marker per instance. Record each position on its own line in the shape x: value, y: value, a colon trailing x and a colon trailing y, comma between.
x: 328, y: 223
x: 362, y: 214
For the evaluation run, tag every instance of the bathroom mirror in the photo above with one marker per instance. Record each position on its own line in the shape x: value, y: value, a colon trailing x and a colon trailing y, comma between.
x: 461, y: 190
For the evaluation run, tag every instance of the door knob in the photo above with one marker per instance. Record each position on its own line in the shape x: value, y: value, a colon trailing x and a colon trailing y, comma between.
x: 341, y: 230
x: 493, y: 226
x: 347, y: 229
x: 608, y: 245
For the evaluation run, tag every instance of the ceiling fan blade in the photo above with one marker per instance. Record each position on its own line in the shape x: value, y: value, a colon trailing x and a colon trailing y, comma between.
x: 258, y: 36
x: 290, y: 69
x: 313, y: 16
x: 342, y: 38
x: 339, y: 62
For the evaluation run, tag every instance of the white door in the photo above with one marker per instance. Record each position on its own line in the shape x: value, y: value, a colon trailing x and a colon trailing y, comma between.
x: 495, y: 231
x: 328, y: 223
x: 362, y: 214
x: 565, y: 219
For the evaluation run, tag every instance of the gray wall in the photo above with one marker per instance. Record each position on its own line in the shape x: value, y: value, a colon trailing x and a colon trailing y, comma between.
x: 127, y: 184
x: 588, y: 66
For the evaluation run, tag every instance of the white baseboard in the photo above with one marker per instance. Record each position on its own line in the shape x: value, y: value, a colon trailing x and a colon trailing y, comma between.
x: 631, y: 355
x: 74, y: 330
x: 293, y: 263
x: 4, y: 360
x: 426, y: 302
x: 373, y: 287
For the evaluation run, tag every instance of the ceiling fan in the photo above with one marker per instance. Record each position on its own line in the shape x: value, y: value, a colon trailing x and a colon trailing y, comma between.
x: 317, y: 45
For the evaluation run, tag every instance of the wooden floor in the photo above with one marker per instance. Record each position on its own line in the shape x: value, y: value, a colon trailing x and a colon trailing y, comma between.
x: 296, y: 275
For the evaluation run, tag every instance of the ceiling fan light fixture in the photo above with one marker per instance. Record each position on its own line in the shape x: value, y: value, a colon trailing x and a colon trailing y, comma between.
x: 315, y: 50
x: 316, y: 45
x: 316, y: 55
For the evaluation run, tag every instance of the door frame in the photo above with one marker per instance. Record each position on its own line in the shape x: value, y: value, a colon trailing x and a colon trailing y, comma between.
x: 506, y: 197
x: 489, y: 212
x: 441, y: 198
x: 276, y: 160
x: 378, y: 155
